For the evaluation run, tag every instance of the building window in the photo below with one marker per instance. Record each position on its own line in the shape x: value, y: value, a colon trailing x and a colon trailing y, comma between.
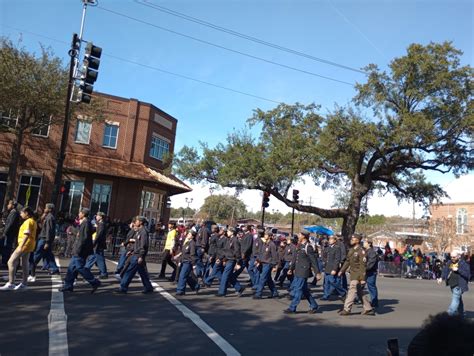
x: 43, y: 128
x: 159, y: 147
x: 29, y: 191
x: 461, y: 221
x: 100, y: 200
x: 3, y: 186
x: 83, y: 131
x: 8, y: 119
x: 71, y: 201
x: 151, y: 205
x: 110, y: 136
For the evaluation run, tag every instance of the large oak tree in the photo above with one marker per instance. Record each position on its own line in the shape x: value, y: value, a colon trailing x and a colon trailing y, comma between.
x: 414, y: 118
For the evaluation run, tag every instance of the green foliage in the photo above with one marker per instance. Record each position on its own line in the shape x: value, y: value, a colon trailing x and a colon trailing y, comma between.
x: 223, y: 208
x: 423, y: 121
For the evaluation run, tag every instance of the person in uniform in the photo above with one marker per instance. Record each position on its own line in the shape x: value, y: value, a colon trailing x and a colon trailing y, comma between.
x: 304, y: 261
x: 81, y: 250
x: 372, y: 266
x: 202, y: 247
x: 356, y: 261
x: 231, y: 256
x: 332, y: 264
x: 268, y: 259
x: 212, y: 251
x: 287, y: 261
x: 253, y: 265
x: 188, y: 264
x: 136, y: 259
x: 126, y: 246
x: 10, y: 231
x: 218, y: 267
x: 99, y: 245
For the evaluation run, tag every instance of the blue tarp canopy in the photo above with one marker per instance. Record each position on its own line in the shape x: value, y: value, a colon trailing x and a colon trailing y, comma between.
x: 318, y: 229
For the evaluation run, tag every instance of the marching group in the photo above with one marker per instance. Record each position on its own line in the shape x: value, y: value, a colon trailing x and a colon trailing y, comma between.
x: 199, y: 256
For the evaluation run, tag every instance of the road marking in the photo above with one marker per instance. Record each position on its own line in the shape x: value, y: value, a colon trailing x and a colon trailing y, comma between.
x: 222, y: 343
x: 57, y: 319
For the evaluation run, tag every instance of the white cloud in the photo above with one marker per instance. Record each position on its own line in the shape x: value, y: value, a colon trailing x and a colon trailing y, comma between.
x: 461, y: 189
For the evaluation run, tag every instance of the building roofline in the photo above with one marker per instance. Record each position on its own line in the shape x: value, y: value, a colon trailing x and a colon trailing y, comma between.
x: 452, y: 203
x: 144, y: 103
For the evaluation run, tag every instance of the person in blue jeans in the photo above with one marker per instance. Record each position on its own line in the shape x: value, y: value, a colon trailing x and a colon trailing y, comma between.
x: 188, y: 264
x: 136, y: 259
x: 126, y: 246
x: 81, y: 249
x: 231, y: 254
x: 304, y: 261
x: 456, y: 273
x: 267, y: 259
x: 371, y: 272
x: 332, y: 263
x: 100, y: 245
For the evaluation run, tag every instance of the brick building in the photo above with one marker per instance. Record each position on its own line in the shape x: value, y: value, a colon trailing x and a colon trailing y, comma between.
x: 456, y: 219
x: 115, y: 166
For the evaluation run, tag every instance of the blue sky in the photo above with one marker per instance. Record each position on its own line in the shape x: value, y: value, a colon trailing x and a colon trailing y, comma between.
x: 353, y: 33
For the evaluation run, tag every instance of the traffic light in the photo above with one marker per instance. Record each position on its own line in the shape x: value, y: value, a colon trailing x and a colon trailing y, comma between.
x: 296, y: 196
x: 89, y: 72
x: 76, y: 42
x: 266, y: 199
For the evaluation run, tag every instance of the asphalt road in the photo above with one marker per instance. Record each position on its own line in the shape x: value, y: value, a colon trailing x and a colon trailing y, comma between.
x: 109, y: 324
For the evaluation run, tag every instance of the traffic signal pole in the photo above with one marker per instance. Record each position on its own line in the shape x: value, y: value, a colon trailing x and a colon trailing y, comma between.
x: 292, y: 221
x: 263, y: 217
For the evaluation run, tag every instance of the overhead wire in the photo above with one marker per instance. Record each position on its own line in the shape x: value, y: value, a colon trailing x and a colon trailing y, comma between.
x: 242, y: 35
x: 153, y: 67
x: 223, y: 47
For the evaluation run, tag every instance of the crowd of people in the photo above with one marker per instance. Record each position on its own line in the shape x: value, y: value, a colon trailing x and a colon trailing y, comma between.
x: 199, y: 257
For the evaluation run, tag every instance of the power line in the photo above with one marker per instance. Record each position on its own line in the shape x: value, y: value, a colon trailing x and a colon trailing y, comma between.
x: 223, y: 47
x: 154, y: 68
x: 244, y: 36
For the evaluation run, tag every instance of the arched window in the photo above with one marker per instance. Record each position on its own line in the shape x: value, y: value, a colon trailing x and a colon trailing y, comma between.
x: 461, y: 221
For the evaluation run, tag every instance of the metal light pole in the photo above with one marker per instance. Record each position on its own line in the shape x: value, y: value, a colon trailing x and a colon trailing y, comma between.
x: 73, y: 69
x: 188, y: 201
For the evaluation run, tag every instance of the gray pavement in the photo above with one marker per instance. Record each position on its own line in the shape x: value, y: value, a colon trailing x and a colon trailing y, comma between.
x: 109, y: 324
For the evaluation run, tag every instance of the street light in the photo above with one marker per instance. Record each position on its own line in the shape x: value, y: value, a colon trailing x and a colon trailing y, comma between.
x: 188, y: 201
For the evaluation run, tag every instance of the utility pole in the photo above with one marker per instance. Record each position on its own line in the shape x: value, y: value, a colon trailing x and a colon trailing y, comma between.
x: 73, y: 72
x: 296, y: 197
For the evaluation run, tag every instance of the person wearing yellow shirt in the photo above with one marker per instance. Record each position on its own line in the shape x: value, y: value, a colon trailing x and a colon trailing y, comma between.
x: 26, y: 244
x: 166, y: 256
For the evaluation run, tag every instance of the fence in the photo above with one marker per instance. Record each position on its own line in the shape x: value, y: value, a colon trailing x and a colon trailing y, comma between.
x: 405, y: 269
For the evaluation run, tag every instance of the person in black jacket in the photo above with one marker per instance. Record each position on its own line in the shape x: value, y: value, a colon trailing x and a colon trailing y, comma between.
x: 82, y: 249
x: 371, y: 274
x: 218, y: 267
x: 231, y: 255
x: 136, y: 259
x: 10, y: 231
x: 268, y: 259
x: 188, y: 264
x: 287, y: 261
x: 100, y: 245
x: 202, y: 246
x: 212, y: 251
x: 44, y: 245
x: 332, y: 262
x: 304, y: 261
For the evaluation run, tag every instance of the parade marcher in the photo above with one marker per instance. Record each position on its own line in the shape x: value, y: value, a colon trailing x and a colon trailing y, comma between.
x: 342, y: 246
x: 456, y: 273
x: 268, y: 259
x: 44, y: 245
x: 26, y: 244
x: 218, y: 267
x: 304, y: 261
x: 188, y: 260
x: 202, y: 246
x: 99, y: 245
x: 246, y: 243
x: 372, y: 266
x: 126, y: 246
x: 357, y: 261
x: 10, y: 231
x: 212, y: 251
x: 136, y: 259
x: 288, y: 257
x: 332, y: 263
x: 166, y: 257
x: 254, y: 268
x: 231, y: 255
x: 83, y: 248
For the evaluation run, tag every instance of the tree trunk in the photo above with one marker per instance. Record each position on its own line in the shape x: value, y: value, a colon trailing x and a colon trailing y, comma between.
x: 13, y: 168
x: 350, y: 220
